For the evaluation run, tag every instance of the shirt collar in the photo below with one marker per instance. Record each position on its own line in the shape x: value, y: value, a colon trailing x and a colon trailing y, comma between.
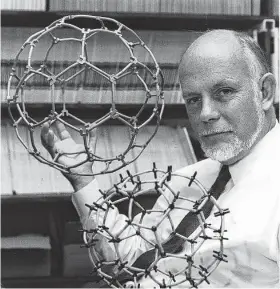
x: 260, y: 150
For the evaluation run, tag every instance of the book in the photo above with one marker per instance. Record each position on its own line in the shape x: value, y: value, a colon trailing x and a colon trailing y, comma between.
x: 29, y: 5
x: 76, y: 260
x: 25, y: 255
x: 275, y: 7
x: 256, y: 7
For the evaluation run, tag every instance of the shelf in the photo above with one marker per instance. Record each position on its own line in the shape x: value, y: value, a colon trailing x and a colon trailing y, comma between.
x: 139, y: 21
x: 51, y: 282
x: 95, y: 111
x: 36, y: 198
x: 53, y: 212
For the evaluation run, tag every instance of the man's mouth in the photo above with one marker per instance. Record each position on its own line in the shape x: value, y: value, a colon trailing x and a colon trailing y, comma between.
x: 215, y: 133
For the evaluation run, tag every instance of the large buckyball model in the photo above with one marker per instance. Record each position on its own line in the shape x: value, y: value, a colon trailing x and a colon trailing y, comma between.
x: 71, y: 37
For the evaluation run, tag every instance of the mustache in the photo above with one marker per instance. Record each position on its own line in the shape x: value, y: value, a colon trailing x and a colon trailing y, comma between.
x: 214, y: 131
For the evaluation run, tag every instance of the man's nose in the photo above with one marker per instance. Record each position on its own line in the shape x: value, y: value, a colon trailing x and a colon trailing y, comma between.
x: 209, y: 111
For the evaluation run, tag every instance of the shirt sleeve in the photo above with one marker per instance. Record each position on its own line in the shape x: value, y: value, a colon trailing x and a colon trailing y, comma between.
x: 87, y: 195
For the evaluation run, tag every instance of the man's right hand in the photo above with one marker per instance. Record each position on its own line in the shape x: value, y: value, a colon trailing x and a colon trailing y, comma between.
x: 63, y: 143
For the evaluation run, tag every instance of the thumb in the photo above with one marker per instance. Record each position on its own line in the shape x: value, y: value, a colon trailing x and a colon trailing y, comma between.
x: 92, y: 140
x: 48, y: 139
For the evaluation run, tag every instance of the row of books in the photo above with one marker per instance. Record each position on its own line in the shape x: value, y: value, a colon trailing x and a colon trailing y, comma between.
x: 28, y: 176
x: 30, y: 255
x: 93, y: 97
x: 28, y: 5
x: 226, y: 7
x: 166, y: 46
x: 90, y: 79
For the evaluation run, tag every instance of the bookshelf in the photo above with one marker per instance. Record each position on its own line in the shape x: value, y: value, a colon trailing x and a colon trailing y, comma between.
x: 54, y: 210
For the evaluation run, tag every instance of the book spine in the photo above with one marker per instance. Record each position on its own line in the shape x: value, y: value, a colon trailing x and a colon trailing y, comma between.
x: 275, y: 7
x: 26, y: 5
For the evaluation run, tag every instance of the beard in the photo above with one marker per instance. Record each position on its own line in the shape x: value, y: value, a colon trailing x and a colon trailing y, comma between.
x: 226, y: 151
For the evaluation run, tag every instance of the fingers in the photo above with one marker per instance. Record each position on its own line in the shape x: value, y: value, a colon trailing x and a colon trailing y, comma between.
x: 62, y: 131
x: 48, y: 139
x: 63, y: 141
x: 51, y: 138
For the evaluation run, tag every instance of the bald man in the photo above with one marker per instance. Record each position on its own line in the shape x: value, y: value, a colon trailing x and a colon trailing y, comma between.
x: 229, y: 91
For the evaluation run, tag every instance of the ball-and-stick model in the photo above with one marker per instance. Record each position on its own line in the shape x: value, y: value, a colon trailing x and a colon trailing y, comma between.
x: 187, y: 268
x: 140, y: 67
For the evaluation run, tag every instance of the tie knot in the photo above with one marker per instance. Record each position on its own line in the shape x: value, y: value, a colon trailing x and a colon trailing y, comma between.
x: 224, y: 172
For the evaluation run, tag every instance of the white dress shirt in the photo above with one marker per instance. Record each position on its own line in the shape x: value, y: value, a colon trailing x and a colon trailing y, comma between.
x: 253, y: 198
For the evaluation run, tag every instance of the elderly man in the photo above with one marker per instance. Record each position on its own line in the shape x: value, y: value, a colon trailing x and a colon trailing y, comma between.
x: 229, y: 93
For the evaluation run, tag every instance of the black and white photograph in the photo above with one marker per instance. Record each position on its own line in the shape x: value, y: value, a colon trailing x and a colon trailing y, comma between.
x: 140, y: 144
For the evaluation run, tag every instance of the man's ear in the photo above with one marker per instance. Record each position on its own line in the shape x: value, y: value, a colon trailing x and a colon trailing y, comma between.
x: 268, y: 87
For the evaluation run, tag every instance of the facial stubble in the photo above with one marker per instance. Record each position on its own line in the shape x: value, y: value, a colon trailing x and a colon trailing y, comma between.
x: 227, y: 150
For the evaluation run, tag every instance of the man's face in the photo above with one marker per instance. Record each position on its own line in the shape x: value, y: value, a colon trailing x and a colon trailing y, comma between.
x: 223, y: 106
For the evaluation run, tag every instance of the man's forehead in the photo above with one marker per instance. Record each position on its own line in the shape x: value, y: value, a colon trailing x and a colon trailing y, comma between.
x: 214, y: 45
x: 214, y: 53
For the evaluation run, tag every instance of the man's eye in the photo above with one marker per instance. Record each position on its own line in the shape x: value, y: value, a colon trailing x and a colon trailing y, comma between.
x: 224, y: 92
x: 193, y: 100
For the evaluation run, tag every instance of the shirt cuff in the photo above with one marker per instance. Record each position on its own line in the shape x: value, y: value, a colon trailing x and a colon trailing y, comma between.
x: 87, y: 195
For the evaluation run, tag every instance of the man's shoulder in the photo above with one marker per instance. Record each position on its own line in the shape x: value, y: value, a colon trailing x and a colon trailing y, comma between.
x: 206, y: 171
x: 205, y: 166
